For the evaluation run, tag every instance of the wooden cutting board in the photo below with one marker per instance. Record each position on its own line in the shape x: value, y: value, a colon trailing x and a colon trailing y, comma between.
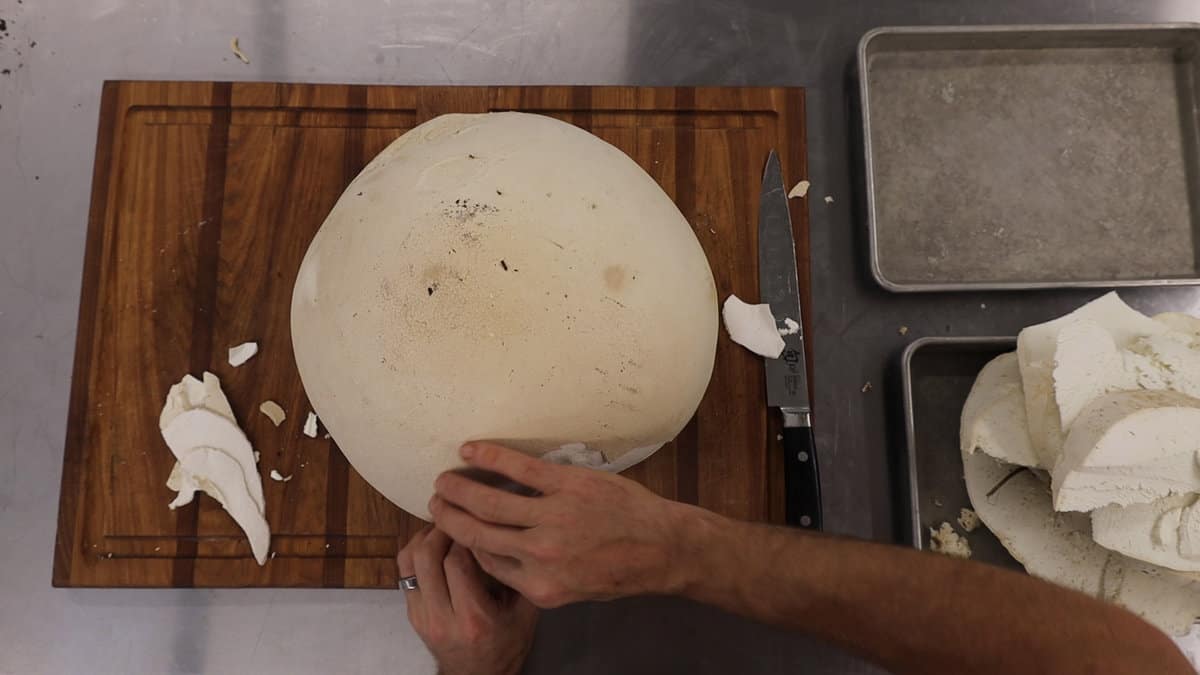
x: 204, y: 198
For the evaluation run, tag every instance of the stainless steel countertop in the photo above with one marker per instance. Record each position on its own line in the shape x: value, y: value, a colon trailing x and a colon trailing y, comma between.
x: 48, y: 111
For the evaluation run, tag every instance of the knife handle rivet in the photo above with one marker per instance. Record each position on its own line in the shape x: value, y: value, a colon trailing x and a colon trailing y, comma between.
x: 802, y: 456
x: 805, y: 521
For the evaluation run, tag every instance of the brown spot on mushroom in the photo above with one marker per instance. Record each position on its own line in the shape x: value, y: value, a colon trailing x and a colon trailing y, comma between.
x: 614, y: 277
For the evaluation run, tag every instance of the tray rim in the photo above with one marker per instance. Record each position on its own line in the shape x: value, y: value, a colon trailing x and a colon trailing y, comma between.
x: 862, y: 53
x: 910, y: 431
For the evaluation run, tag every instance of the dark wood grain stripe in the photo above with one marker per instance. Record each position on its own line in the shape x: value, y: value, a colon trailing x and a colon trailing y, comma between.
x: 581, y: 104
x: 203, y: 311
x: 757, y: 450
x: 687, y: 470
x: 337, y: 480
x: 337, y: 484
x: 72, y: 488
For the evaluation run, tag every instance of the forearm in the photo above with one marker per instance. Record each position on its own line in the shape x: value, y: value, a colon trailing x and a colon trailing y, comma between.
x: 912, y: 612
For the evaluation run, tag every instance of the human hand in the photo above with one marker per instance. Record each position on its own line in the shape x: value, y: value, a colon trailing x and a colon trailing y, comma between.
x: 470, y: 628
x: 589, y: 535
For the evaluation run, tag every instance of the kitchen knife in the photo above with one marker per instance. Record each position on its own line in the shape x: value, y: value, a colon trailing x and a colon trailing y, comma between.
x: 787, y: 377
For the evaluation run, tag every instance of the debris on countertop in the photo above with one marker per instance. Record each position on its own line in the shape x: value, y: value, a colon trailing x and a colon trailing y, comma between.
x: 828, y: 199
x: 946, y: 541
x: 903, y: 330
x: 801, y: 190
x: 867, y: 386
x: 968, y: 520
x: 310, y: 425
x: 276, y: 476
x: 237, y: 51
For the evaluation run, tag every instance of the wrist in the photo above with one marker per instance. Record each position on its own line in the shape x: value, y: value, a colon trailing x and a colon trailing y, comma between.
x: 694, y: 546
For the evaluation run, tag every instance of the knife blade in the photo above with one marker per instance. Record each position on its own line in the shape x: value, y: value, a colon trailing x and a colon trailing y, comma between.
x: 787, y: 376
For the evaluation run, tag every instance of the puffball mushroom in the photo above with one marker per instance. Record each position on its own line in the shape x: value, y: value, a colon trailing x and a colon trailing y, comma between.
x: 214, y: 456
x: 1104, y: 398
x: 503, y: 277
x: 1057, y: 547
x: 753, y: 327
x: 993, y: 417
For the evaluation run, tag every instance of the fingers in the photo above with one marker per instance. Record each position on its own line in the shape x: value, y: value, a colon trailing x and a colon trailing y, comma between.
x: 407, y: 568
x: 404, y: 559
x: 506, y: 570
x: 518, y: 466
x: 465, y: 582
x: 487, y: 503
x: 472, y: 533
x: 431, y: 577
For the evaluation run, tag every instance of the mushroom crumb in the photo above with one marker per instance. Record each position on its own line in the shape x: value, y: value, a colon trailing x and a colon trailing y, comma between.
x: 867, y: 386
x: 968, y: 520
x: 946, y: 541
x: 903, y: 330
x: 801, y: 190
x: 237, y: 51
x: 242, y: 353
x: 273, y: 411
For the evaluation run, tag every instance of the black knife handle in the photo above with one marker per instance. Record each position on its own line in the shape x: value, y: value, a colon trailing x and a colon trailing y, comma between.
x: 801, y: 479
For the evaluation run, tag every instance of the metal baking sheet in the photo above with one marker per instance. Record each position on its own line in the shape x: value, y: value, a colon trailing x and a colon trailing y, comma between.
x: 1031, y: 156
x: 937, y: 375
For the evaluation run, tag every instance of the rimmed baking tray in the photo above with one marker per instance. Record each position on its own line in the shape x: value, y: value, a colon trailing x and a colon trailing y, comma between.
x: 1011, y: 157
x: 937, y: 374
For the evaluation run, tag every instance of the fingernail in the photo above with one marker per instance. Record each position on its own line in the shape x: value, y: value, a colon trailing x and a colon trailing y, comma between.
x: 467, y: 451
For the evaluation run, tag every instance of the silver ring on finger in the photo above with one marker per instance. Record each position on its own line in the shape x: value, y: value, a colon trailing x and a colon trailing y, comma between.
x: 409, y: 583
